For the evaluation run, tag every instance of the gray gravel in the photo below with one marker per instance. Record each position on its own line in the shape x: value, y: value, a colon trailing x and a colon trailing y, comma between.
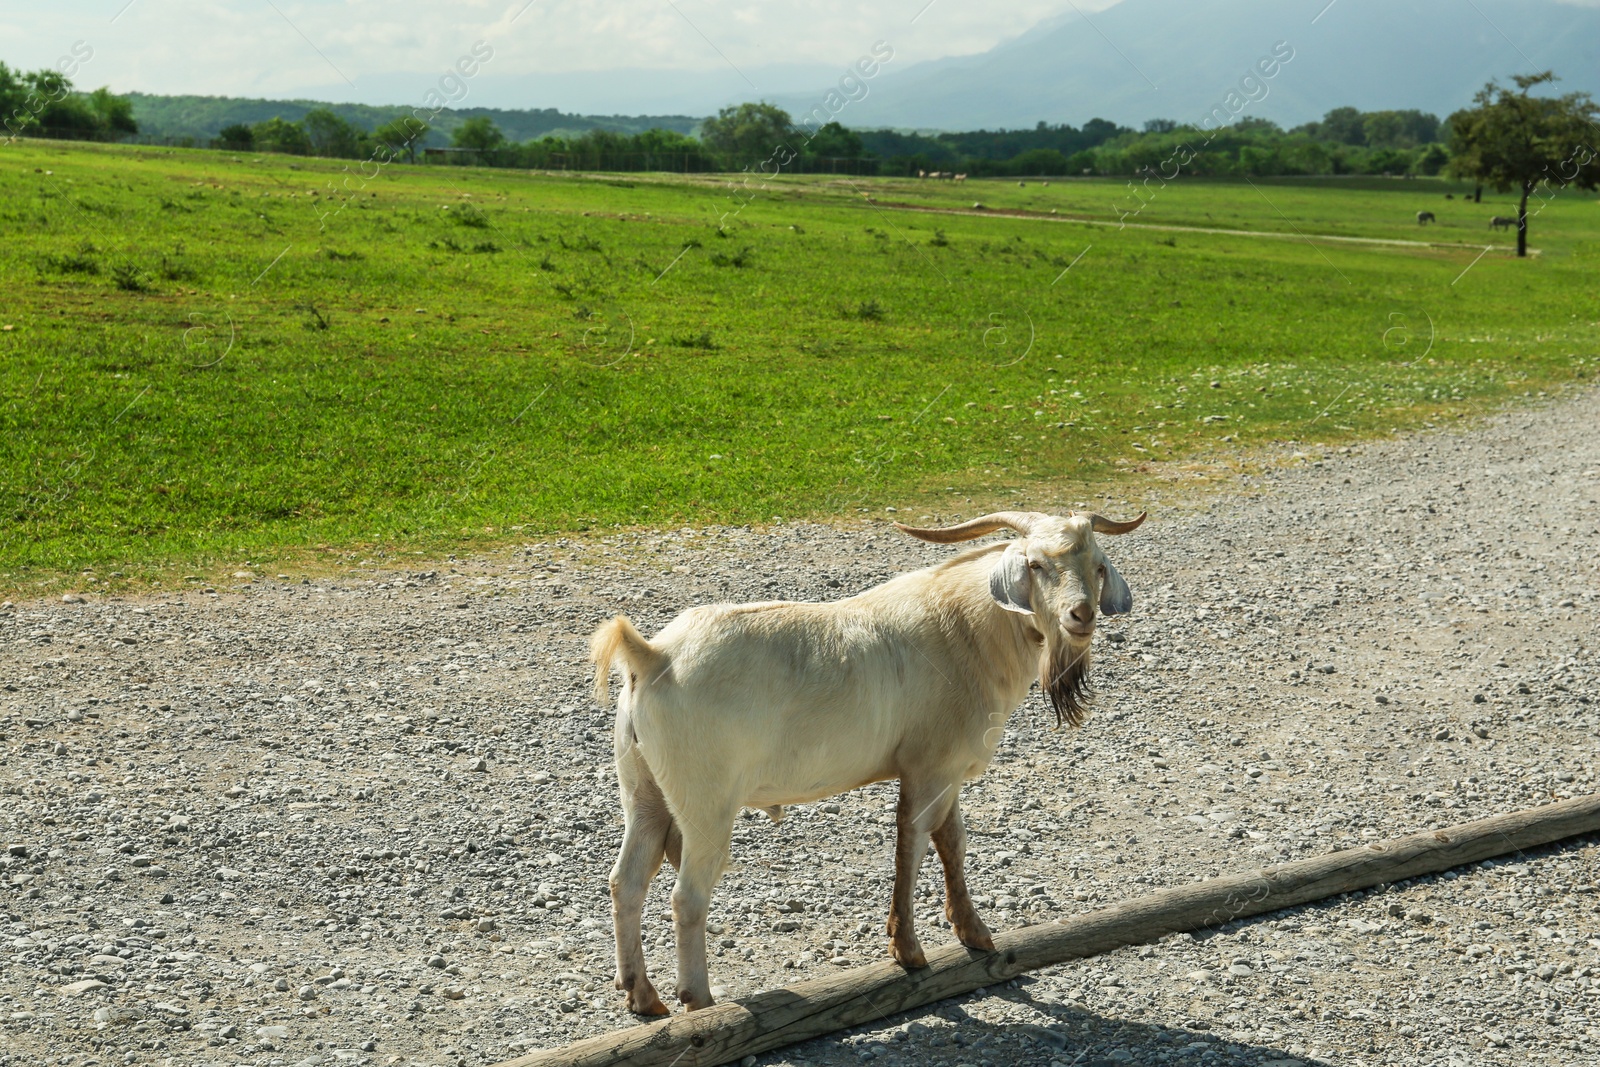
x: 368, y: 818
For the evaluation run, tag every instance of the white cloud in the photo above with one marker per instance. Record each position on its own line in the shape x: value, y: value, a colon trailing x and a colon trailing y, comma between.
x: 304, y: 47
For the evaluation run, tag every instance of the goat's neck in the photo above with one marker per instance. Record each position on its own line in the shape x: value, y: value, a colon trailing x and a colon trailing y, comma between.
x: 1008, y: 643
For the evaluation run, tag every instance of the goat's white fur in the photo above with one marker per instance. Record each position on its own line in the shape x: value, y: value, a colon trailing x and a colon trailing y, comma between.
x: 766, y: 704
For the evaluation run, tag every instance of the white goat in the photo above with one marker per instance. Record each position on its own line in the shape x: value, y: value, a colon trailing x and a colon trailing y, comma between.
x: 761, y: 705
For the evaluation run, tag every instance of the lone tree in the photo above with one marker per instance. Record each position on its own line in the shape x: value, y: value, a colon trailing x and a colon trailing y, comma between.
x: 479, y: 133
x: 401, y: 135
x: 1511, y: 140
x: 748, y: 133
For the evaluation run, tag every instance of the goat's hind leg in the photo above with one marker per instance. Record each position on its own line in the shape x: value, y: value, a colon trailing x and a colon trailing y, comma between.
x: 706, y: 829
x: 645, y: 838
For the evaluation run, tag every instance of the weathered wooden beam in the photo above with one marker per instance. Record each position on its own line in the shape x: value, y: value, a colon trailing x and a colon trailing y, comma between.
x: 726, y: 1032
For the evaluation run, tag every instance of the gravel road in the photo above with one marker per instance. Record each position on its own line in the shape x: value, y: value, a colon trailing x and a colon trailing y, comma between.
x: 368, y: 819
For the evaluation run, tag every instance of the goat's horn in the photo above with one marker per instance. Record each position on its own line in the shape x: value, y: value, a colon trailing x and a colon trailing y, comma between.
x: 1101, y: 524
x: 1020, y: 521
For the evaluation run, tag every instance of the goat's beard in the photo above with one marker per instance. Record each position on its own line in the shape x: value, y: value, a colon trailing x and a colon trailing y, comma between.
x: 1064, y: 677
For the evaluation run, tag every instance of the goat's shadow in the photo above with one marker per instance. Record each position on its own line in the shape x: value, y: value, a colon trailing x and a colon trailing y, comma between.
x: 946, y: 1034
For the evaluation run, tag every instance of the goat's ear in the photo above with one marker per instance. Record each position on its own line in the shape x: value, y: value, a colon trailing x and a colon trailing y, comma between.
x: 1009, y: 581
x: 1115, y: 596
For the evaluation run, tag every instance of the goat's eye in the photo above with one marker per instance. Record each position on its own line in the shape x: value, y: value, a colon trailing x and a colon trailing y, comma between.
x: 1034, y: 564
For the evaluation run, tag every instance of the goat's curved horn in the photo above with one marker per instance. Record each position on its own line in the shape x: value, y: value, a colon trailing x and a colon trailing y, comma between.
x: 1101, y: 524
x: 1020, y: 521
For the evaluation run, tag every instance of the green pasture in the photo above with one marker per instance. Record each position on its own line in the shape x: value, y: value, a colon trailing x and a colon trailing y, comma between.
x: 208, y: 359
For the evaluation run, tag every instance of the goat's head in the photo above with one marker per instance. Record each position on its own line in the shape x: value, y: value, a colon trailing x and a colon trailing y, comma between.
x: 1055, y: 574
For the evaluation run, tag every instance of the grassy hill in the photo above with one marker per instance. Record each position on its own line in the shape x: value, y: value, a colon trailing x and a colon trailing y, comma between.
x: 200, y: 117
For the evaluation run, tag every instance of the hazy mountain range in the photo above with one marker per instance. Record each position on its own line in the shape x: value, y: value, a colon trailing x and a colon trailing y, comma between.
x: 1177, y: 58
x: 1137, y: 60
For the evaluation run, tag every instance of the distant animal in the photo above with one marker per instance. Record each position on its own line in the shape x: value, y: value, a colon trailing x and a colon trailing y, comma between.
x: 1044, y: 183
x: 958, y: 177
x: 1449, y: 196
x: 1425, y: 217
x: 763, y: 705
x: 1022, y: 184
x: 922, y: 174
x: 1500, y: 222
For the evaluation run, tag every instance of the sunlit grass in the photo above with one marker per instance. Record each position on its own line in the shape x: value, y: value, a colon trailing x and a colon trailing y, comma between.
x: 211, y: 360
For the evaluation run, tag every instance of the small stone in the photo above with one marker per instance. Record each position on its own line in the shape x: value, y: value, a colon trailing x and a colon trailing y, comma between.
x: 306, y: 992
x: 785, y: 926
x: 436, y: 961
x: 1482, y: 732
x: 453, y: 992
x: 20, y: 851
x: 484, y: 926
x: 1441, y: 735
x: 480, y: 764
x: 272, y: 1033
x: 229, y: 874
x: 228, y: 1032
x: 281, y: 985
x: 1479, y: 698
x: 79, y: 988
x: 1241, y: 970
x: 72, y: 598
x: 1381, y: 699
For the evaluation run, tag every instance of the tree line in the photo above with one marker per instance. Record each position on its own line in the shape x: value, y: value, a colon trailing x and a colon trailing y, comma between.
x: 43, y: 103
x: 1509, y: 139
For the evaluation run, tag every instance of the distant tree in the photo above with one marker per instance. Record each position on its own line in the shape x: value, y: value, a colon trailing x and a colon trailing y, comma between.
x: 236, y: 138
x: 1343, y: 124
x: 402, y: 134
x: 13, y: 99
x: 1432, y: 160
x: 748, y: 133
x: 70, y: 117
x: 279, y: 135
x: 1512, y: 140
x: 1039, y: 161
x: 114, y: 112
x: 836, y: 141
x: 1399, y: 129
x: 329, y: 134
x: 478, y: 132
x: 1159, y: 125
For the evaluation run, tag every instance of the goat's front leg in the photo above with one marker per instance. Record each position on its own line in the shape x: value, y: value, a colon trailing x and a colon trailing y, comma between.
x: 705, y: 852
x: 920, y: 809
x: 951, y: 841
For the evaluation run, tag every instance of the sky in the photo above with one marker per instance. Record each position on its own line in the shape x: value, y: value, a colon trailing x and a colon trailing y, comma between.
x: 389, y: 51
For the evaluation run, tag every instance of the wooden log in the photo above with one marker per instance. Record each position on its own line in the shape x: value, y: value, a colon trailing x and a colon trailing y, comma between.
x: 726, y: 1032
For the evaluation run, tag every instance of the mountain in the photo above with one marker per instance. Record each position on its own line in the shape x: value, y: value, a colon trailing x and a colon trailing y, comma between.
x: 1177, y: 59
x: 201, y: 117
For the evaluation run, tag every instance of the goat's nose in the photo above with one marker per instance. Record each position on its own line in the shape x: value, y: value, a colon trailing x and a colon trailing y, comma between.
x: 1082, y: 613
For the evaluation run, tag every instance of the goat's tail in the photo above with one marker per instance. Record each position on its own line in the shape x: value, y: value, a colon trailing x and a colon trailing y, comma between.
x: 616, y: 637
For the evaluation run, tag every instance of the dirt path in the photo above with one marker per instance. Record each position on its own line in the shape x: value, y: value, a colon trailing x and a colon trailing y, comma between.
x: 1297, y: 235
x: 370, y: 820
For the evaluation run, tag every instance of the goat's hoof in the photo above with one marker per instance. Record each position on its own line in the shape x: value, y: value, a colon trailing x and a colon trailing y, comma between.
x: 976, y: 939
x: 911, y: 956
x: 695, y: 1001
x: 647, y: 1005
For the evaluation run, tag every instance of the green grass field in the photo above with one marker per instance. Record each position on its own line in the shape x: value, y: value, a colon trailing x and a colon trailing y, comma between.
x: 207, y: 359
